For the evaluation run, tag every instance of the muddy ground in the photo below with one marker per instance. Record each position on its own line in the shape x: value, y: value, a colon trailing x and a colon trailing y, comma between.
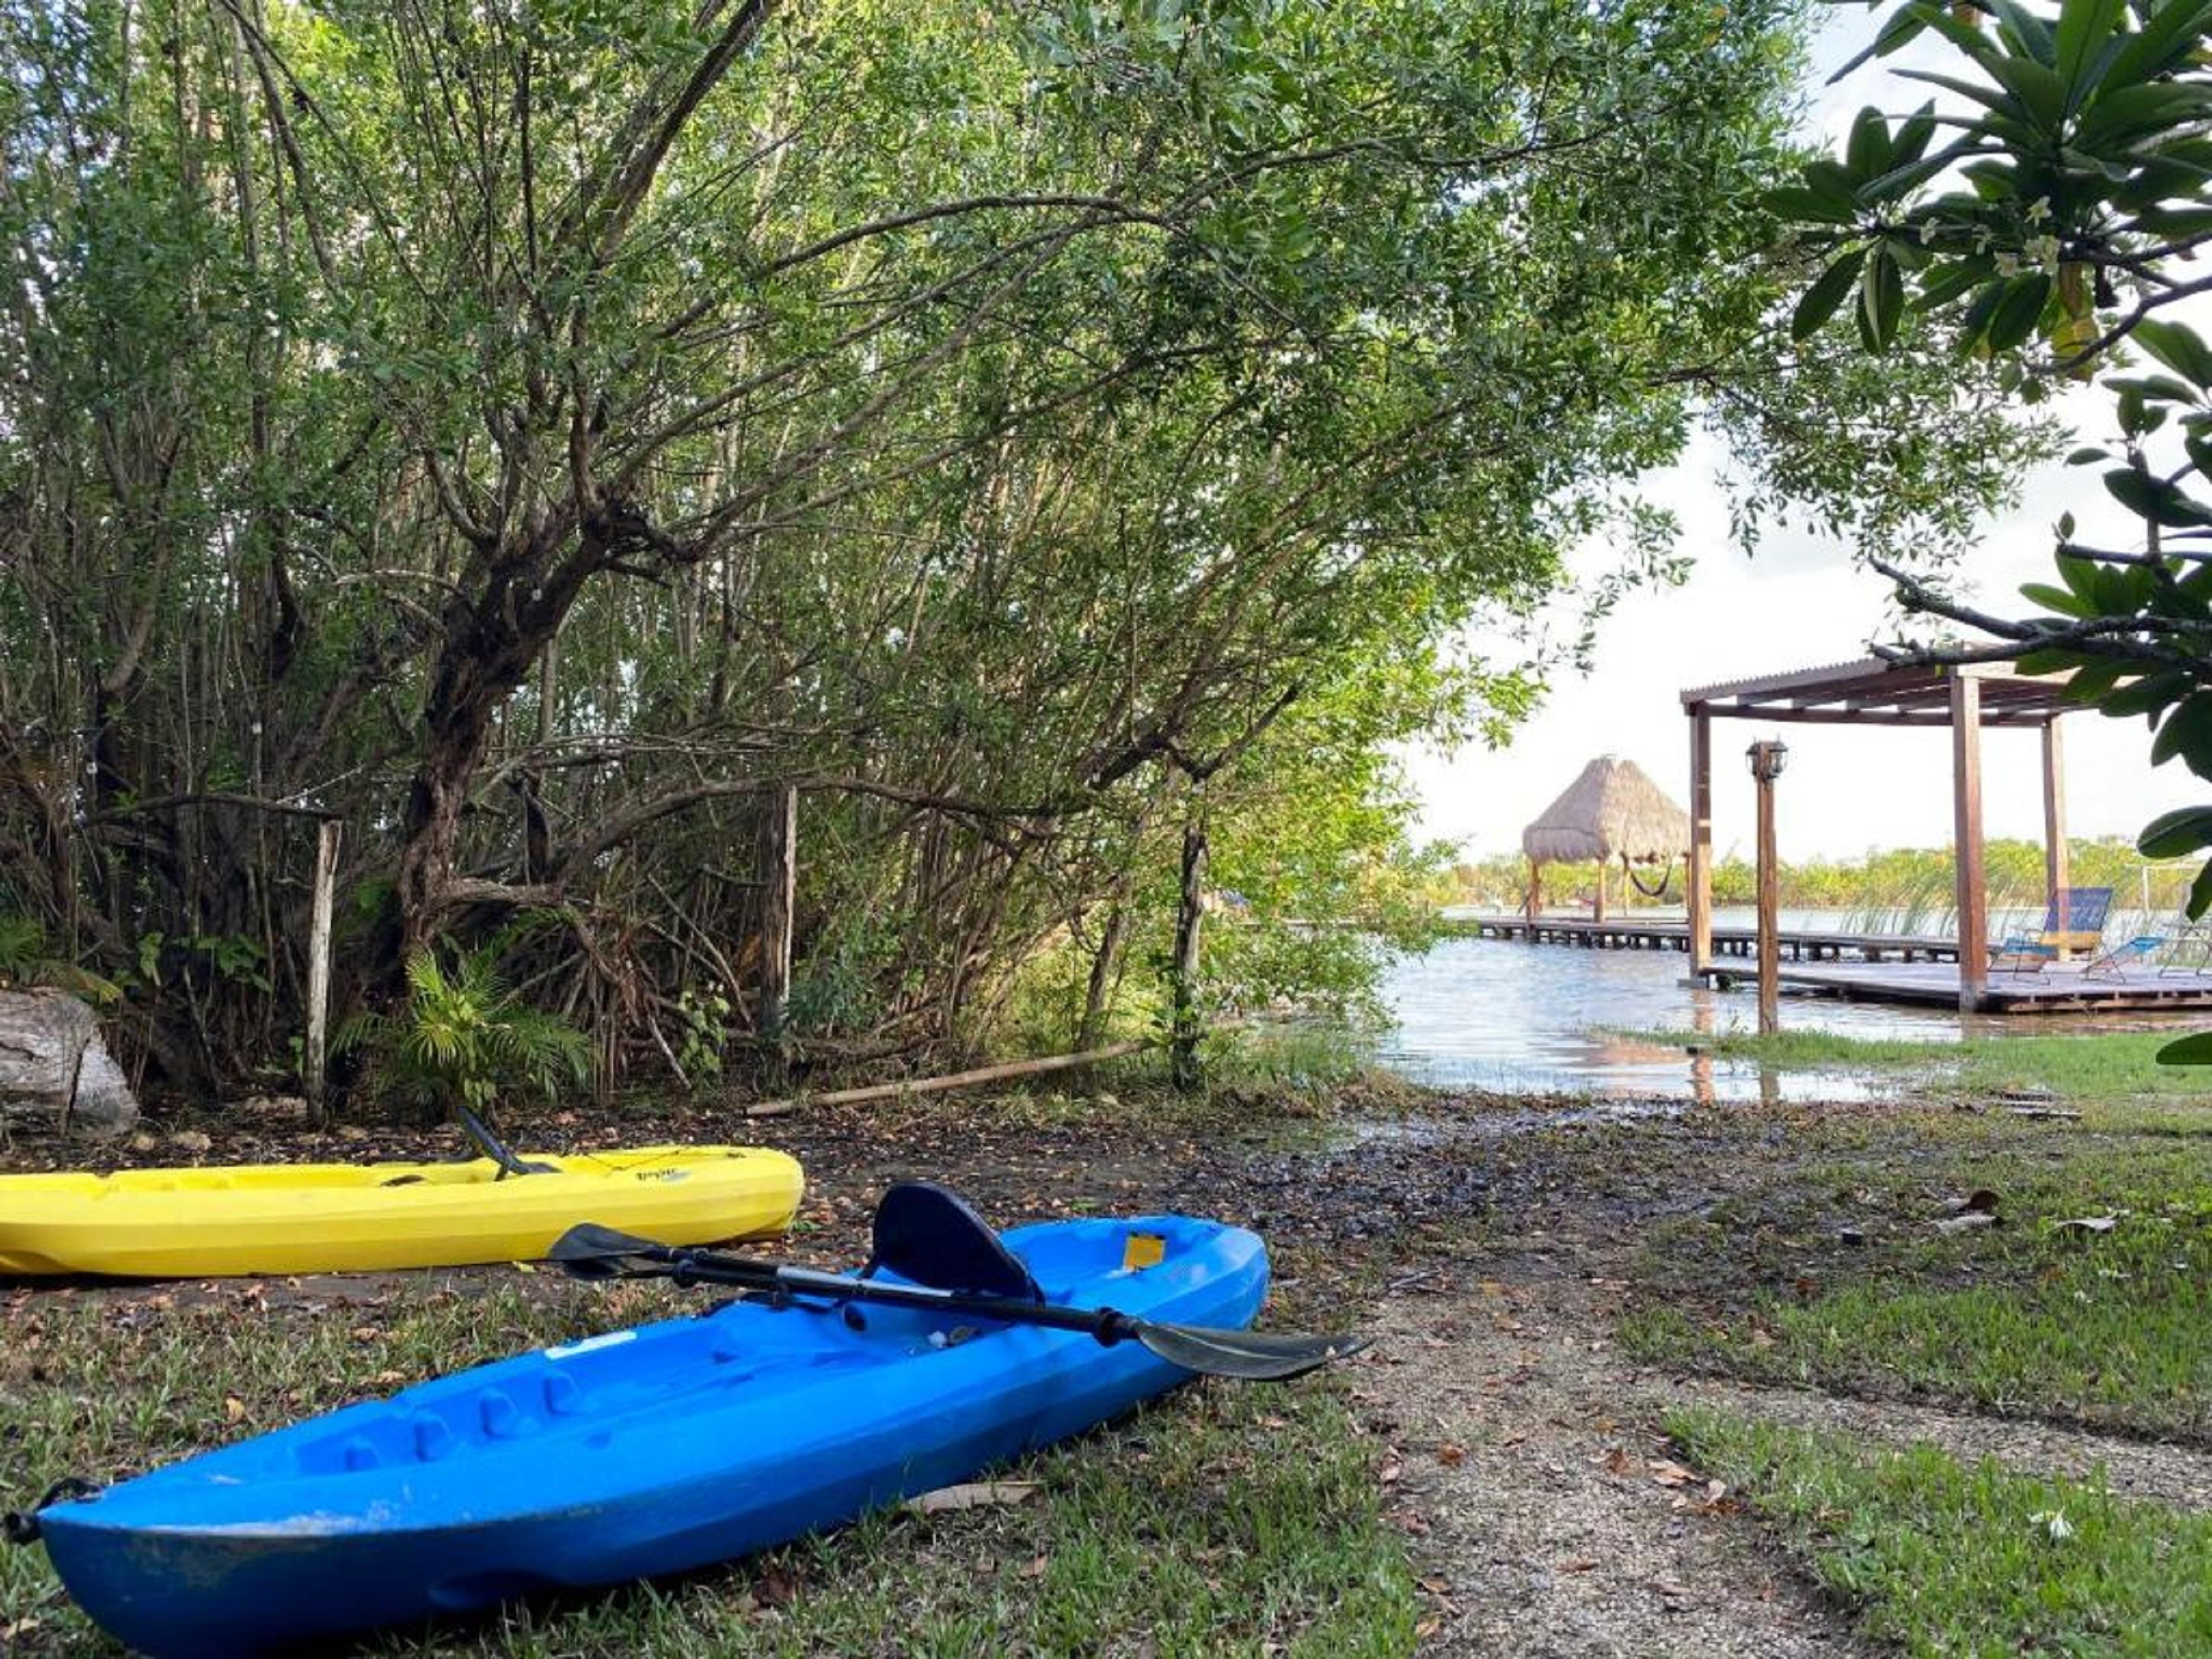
x: 1488, y: 1246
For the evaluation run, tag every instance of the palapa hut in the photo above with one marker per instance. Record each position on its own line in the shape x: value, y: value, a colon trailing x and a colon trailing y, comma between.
x: 1614, y: 810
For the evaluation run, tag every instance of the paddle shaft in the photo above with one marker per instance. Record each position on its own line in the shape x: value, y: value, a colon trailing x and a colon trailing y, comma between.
x: 591, y: 1251
x: 1105, y: 1324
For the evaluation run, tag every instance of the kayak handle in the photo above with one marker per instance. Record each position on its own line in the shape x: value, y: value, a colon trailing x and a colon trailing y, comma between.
x: 21, y: 1526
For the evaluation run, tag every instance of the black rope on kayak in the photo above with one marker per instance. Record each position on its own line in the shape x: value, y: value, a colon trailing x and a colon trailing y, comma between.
x: 21, y: 1526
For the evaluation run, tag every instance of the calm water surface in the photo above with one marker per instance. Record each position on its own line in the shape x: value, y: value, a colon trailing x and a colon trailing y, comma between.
x: 1540, y: 1018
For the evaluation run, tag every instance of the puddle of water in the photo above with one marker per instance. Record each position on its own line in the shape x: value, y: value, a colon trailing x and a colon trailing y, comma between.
x: 1519, y: 1018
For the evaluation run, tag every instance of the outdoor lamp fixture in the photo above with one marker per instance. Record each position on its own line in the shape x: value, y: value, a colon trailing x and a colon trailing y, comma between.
x: 1767, y: 759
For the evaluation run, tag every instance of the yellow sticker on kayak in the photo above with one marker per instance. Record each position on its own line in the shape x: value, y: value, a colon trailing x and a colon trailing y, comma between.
x: 1144, y: 1250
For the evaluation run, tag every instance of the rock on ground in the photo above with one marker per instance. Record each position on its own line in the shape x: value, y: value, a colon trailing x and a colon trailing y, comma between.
x: 53, y: 1065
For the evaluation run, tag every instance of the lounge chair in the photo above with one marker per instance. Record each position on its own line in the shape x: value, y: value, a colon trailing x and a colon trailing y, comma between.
x: 2192, y: 951
x: 2114, y: 962
x: 2073, y: 921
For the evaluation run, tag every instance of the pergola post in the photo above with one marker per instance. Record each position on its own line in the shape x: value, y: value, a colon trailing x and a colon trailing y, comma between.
x: 1699, y: 877
x: 2054, y: 821
x: 1967, y: 839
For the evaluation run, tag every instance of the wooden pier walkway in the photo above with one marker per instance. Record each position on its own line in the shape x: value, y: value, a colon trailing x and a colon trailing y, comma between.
x: 1626, y: 933
x: 1869, y: 967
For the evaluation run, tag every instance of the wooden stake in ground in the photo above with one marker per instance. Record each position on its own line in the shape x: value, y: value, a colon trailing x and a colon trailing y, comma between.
x: 780, y: 876
x: 327, y: 836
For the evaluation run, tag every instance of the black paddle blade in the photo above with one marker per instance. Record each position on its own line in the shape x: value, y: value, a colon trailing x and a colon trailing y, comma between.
x: 931, y: 1236
x: 1247, y: 1356
x: 588, y: 1250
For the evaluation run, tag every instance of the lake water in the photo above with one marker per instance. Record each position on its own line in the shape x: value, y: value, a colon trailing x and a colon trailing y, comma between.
x: 1515, y: 1017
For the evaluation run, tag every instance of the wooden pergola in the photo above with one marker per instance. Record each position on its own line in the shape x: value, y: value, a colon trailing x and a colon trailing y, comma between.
x: 1873, y: 692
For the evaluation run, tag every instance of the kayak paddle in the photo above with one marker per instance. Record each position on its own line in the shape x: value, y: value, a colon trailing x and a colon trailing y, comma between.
x: 594, y: 1252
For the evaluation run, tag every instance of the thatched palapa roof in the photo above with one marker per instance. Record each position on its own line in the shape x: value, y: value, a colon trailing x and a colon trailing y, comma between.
x: 1613, y: 809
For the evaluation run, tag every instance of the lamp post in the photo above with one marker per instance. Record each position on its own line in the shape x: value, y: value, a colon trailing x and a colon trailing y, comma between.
x: 1767, y: 759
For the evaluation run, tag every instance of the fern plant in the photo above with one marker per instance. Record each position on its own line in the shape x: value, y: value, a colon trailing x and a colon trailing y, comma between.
x: 26, y: 960
x: 463, y: 1038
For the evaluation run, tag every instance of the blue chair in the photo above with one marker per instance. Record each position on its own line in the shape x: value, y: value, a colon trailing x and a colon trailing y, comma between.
x: 2074, y: 920
x: 2114, y: 962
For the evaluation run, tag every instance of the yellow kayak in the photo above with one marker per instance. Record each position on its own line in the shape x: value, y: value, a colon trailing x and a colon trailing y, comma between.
x: 340, y: 1217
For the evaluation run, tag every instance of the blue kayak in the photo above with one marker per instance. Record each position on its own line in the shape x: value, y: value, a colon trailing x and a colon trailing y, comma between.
x: 644, y: 1452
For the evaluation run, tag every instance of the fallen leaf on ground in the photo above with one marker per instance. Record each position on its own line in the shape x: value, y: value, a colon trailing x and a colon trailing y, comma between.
x: 775, y: 1589
x: 973, y: 1495
x: 1668, y: 1473
x: 233, y: 1409
x: 1451, y: 1455
x: 2087, y: 1223
x: 1966, y: 1222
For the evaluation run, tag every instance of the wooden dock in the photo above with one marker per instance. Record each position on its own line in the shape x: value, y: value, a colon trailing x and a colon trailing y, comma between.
x: 1798, y: 944
x: 2060, y: 988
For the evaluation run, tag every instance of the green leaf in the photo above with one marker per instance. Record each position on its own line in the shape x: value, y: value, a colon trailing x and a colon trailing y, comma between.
x: 2179, y: 347
x: 1903, y: 27
x: 2017, y: 313
x: 2156, y: 499
x: 2155, y: 388
x: 1799, y: 204
x: 1946, y: 282
x: 2049, y: 661
x: 2187, y: 732
x: 1826, y: 293
x: 1881, y: 296
x: 2167, y: 37
x: 2062, y: 600
x: 2172, y: 835
x: 2147, y: 695
x: 2083, y: 25
x: 1868, y: 153
x: 2196, y: 1049
x: 2041, y: 94
x: 2035, y: 40
x: 2200, y: 893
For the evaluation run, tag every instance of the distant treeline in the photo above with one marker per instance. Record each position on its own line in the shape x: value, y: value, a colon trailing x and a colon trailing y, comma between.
x: 1911, y: 880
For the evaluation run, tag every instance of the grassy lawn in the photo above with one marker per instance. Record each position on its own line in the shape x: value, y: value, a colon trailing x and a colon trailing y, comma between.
x: 1221, y: 1522
x: 1848, y: 1270
x: 1942, y: 1558
x: 2099, y: 1067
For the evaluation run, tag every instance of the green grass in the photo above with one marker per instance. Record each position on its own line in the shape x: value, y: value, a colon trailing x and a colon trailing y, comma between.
x: 2100, y: 1067
x: 1835, y: 1275
x: 1219, y: 1521
x: 1944, y: 1558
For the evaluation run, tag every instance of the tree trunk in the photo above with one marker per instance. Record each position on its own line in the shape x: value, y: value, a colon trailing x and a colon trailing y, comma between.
x: 1102, y: 976
x: 53, y: 1065
x: 1188, y: 913
x: 491, y: 647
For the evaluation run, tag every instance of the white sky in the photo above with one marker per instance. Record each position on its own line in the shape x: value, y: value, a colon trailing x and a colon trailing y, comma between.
x: 1802, y: 602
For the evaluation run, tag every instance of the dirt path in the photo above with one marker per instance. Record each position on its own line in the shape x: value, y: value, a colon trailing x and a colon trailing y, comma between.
x: 1550, y: 1517
x: 1550, y: 1521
